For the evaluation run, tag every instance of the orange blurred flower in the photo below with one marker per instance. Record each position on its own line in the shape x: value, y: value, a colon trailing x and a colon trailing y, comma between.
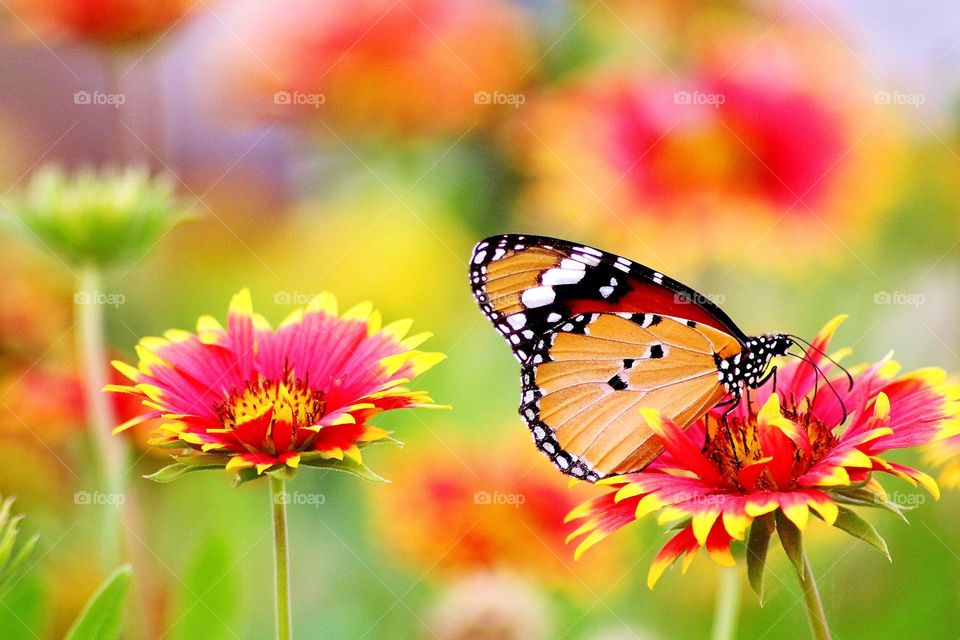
x: 459, y: 507
x: 767, y: 138
x: 374, y: 66
x: 109, y: 22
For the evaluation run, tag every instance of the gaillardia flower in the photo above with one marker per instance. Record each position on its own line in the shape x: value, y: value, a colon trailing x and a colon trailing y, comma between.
x: 800, y: 447
x: 260, y: 400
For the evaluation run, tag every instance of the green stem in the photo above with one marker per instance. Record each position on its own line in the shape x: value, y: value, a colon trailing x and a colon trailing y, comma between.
x: 282, y: 562
x: 727, y: 607
x: 811, y: 596
x: 109, y: 451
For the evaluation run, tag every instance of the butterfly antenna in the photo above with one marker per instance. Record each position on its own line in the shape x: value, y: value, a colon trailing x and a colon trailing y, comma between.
x: 819, y: 373
x: 831, y: 360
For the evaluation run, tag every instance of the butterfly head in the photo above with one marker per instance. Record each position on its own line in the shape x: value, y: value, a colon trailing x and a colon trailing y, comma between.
x: 775, y: 344
x: 749, y: 367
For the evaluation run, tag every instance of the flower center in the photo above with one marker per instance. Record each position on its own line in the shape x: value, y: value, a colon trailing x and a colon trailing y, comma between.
x: 289, y: 401
x: 734, y: 443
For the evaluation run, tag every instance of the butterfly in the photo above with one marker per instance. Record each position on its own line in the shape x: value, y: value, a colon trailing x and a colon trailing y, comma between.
x: 598, y: 337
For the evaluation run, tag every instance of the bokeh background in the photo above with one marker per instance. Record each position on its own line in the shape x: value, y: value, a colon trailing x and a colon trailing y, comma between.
x: 791, y: 160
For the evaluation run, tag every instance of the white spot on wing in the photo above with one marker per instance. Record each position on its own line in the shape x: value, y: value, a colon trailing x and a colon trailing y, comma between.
x: 538, y: 297
x: 606, y: 292
x: 477, y: 259
x: 517, y: 320
x: 567, y: 263
x: 561, y: 276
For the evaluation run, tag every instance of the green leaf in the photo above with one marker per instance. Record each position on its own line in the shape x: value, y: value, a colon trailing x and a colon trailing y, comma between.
x: 23, y: 614
x: 246, y: 475
x: 102, y: 617
x: 283, y: 472
x: 868, y: 499
x: 757, y: 546
x: 790, y: 540
x: 8, y: 539
x: 856, y: 526
x: 350, y: 466
x: 387, y: 440
x: 177, y: 470
x: 203, y: 459
x: 12, y: 570
x: 207, y: 602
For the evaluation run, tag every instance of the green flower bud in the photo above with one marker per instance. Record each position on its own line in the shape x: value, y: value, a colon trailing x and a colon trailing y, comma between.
x: 98, y: 217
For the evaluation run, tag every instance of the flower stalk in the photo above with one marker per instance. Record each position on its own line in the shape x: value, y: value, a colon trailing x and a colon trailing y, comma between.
x: 278, y: 499
x: 110, y: 452
x: 811, y: 597
x: 727, y: 609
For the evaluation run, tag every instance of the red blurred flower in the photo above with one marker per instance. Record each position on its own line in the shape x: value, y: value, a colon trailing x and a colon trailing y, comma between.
x: 41, y: 404
x: 102, y: 21
x: 793, y: 455
x: 374, y: 66
x: 755, y: 138
x: 258, y: 400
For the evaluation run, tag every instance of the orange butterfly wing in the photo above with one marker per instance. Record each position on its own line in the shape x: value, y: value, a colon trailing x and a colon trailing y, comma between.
x: 588, y: 377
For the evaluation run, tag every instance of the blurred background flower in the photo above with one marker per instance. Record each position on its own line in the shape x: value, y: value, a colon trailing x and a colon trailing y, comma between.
x: 374, y: 66
x: 456, y: 507
x: 758, y: 137
x: 491, y: 606
x: 109, y: 22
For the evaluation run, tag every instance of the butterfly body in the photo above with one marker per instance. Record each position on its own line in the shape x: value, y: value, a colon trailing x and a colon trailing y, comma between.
x: 598, y: 337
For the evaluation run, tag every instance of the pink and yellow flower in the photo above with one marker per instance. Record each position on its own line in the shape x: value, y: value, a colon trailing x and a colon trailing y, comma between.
x: 788, y: 451
x: 946, y: 454
x: 256, y: 399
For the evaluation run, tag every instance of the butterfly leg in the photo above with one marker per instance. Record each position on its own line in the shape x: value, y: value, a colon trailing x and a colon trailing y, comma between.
x: 731, y: 404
